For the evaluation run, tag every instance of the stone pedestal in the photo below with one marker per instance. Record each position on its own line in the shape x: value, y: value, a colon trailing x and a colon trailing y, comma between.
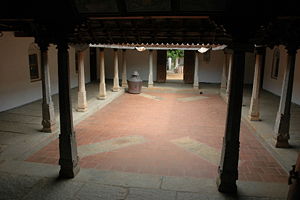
x: 254, y: 104
x: 196, y: 79
x: 48, y: 121
x: 150, y: 78
x: 282, y: 124
x: 228, y: 168
x: 102, y: 86
x: 124, y: 72
x: 68, y: 157
x: 82, y: 103
x: 116, y: 86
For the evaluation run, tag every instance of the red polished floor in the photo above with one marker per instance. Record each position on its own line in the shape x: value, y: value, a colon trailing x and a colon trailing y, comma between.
x: 160, y: 122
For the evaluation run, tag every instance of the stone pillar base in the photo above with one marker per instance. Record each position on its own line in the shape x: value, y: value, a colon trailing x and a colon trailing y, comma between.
x: 69, y: 171
x: 82, y: 104
x: 124, y: 85
x: 254, y: 117
x: 150, y: 85
x: 115, y: 89
x: 81, y: 109
x: 101, y: 97
x: 224, y: 97
x: 48, y: 121
x: 49, y: 129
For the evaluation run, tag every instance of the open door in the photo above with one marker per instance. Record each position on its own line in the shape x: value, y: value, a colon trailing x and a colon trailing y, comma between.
x: 189, y: 66
x: 161, y: 66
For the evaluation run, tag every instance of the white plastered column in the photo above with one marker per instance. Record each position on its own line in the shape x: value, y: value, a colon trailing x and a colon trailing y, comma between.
x: 224, y: 72
x: 102, y: 86
x: 150, y: 78
x: 124, y: 72
x: 196, y: 78
x: 82, y: 103
x: 254, y: 104
x: 48, y: 121
x: 229, y: 74
x: 116, y: 86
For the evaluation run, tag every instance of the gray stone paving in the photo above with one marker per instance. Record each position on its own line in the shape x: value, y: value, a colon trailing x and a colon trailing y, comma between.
x: 188, y: 99
x: 206, y: 152
x: 109, y: 145
x: 26, y: 180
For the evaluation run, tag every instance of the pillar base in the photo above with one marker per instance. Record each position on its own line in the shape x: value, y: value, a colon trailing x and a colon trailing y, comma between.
x: 226, y: 186
x: 282, y: 143
x: 69, y: 171
x: 224, y: 97
x: 115, y: 89
x: 49, y: 129
x: 254, y: 117
x: 82, y: 103
x: 81, y: 109
x: 124, y: 85
x: 150, y: 86
x: 101, y: 97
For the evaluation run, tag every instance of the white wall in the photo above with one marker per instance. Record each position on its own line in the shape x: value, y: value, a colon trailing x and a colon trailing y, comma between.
x: 275, y: 85
x: 15, y: 86
x: 211, y: 72
x: 135, y: 61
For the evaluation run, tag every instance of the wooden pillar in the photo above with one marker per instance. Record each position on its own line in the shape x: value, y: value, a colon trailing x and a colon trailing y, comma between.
x: 102, y: 86
x: 254, y: 104
x: 116, y: 86
x: 282, y: 123
x: 48, y: 121
x: 82, y: 103
x: 124, y: 72
x: 68, y: 159
x: 196, y: 78
x: 294, y: 181
x: 150, y: 78
x: 228, y: 168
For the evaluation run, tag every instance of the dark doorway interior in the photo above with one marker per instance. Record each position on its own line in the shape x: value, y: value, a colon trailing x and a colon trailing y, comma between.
x: 93, y: 65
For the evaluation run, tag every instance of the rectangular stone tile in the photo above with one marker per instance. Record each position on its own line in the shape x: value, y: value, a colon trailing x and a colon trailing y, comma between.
x: 29, y: 168
x: 262, y: 189
x: 92, y: 191
x: 194, y: 98
x: 188, y: 184
x: 14, y: 186
x: 150, y: 194
x: 150, y: 96
x: 124, y: 179
x: 109, y: 145
x: 203, y: 150
x: 191, y: 196
x: 54, y: 189
x: 19, y: 118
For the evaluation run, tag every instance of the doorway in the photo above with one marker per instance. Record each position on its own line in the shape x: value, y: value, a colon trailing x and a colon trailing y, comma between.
x: 175, y: 65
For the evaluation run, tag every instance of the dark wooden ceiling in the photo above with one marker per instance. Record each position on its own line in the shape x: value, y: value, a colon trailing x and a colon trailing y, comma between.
x: 150, y: 21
